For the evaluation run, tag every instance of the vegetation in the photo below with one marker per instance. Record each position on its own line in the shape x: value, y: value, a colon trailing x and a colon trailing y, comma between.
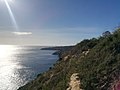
x: 96, y: 60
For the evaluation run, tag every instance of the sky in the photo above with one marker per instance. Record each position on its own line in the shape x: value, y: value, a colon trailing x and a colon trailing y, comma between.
x: 56, y: 22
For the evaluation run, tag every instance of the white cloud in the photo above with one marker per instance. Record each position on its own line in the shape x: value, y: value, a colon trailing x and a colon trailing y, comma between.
x: 22, y: 33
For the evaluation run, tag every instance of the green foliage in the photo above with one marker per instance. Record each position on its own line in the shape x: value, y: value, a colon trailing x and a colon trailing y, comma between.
x: 97, y: 69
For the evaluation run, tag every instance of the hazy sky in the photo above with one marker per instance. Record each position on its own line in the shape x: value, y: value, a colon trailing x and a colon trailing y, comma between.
x: 56, y: 22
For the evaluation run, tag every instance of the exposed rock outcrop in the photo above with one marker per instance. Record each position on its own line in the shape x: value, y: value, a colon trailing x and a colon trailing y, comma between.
x: 74, y: 82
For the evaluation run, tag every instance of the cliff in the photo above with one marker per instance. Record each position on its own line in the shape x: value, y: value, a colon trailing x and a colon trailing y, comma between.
x: 90, y: 65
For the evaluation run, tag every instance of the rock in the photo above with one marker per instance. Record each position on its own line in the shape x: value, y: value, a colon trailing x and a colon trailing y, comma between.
x: 74, y: 82
x: 66, y: 58
x: 86, y: 52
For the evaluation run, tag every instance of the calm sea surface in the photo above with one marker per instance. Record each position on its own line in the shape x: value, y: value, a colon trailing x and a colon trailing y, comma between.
x: 20, y: 64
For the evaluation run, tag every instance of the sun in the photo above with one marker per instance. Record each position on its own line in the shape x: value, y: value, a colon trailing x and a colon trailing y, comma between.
x: 8, y: 0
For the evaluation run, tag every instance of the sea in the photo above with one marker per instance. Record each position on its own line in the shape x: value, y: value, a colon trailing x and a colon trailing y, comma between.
x: 21, y: 64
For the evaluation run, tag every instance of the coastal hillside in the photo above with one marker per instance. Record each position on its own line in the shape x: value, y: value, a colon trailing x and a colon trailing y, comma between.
x: 92, y: 64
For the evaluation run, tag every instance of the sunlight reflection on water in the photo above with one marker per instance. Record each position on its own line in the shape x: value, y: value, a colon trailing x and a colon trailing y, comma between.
x: 9, y: 77
x: 20, y: 64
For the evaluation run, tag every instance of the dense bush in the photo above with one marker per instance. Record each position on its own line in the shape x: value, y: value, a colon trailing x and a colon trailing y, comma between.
x: 97, y: 70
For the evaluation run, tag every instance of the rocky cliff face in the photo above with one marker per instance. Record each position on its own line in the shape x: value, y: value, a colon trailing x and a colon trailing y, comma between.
x: 90, y: 65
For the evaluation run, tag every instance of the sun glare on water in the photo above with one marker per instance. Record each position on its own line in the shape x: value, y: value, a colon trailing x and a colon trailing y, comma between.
x: 8, y: 67
x: 6, y: 51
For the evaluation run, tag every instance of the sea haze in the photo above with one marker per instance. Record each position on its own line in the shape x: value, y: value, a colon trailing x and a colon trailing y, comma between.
x: 21, y: 64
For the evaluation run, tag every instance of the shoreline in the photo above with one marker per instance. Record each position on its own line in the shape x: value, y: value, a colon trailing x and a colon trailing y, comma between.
x: 59, y: 51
